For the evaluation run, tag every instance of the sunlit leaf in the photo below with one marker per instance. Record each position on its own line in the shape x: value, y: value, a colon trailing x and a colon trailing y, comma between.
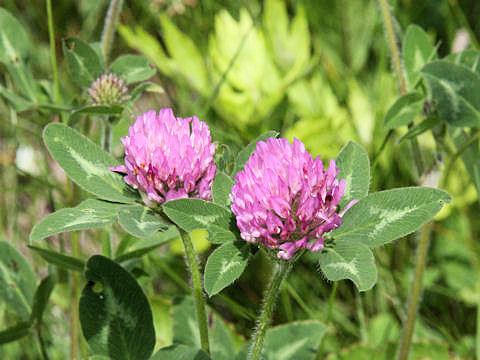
x: 90, y: 214
x: 353, y: 166
x: 193, y: 214
x: 140, y: 221
x: 384, y: 216
x: 86, y: 163
x: 348, y: 259
x: 224, y: 266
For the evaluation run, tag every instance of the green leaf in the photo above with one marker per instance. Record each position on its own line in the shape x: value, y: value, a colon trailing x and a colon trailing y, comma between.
x: 140, y: 221
x: 143, y: 247
x: 145, y: 86
x: 91, y: 213
x: 58, y: 259
x: 353, y: 166
x: 384, y: 216
x: 304, y: 337
x: 95, y: 110
x: 456, y: 91
x: 116, y: 319
x: 349, y: 260
x: 180, y: 352
x: 404, y: 110
x: 469, y: 58
x: 22, y: 77
x: 40, y: 299
x: 17, y: 281
x: 132, y: 68
x: 84, y: 63
x: 193, y: 214
x: 14, y: 42
x: 185, y: 328
x: 221, y: 188
x: 292, y: 341
x: 417, y: 51
x: 15, y: 333
x: 18, y: 102
x: 221, y: 342
x: 86, y: 163
x: 245, y: 153
x: 470, y: 155
x: 224, y: 266
x: 224, y: 156
x: 420, y: 128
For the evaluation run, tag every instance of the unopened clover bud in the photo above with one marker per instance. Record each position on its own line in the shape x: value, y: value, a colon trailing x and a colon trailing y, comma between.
x: 108, y: 90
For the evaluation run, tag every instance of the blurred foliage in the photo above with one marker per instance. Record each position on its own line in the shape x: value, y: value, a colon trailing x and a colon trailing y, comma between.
x: 316, y: 70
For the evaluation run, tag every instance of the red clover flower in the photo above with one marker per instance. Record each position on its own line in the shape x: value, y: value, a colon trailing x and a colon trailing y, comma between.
x: 285, y: 199
x: 168, y: 157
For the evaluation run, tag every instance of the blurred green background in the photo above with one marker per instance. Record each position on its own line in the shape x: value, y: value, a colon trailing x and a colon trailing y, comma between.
x: 316, y: 70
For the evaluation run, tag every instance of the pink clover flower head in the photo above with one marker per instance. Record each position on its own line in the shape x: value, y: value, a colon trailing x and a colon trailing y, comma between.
x: 168, y: 157
x: 285, y: 199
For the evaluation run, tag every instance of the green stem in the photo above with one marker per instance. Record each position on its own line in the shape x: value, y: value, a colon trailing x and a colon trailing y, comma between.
x: 422, y: 250
x: 280, y: 272
x: 53, y: 53
x: 331, y: 299
x: 107, y: 136
x: 299, y: 300
x: 197, y: 289
x: 41, y: 342
x: 402, y: 84
x: 107, y: 241
x: 477, y: 335
x: 110, y: 25
x: 72, y: 195
x: 415, y: 291
x: 75, y: 321
x: 361, y: 318
x: 392, y: 42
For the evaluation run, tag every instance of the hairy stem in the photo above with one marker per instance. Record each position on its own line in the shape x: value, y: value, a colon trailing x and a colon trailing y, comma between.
x: 392, y: 42
x: 197, y: 289
x: 280, y: 272
x: 415, y: 291
x: 424, y: 239
x: 53, y: 54
x: 402, y: 84
x: 110, y: 25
